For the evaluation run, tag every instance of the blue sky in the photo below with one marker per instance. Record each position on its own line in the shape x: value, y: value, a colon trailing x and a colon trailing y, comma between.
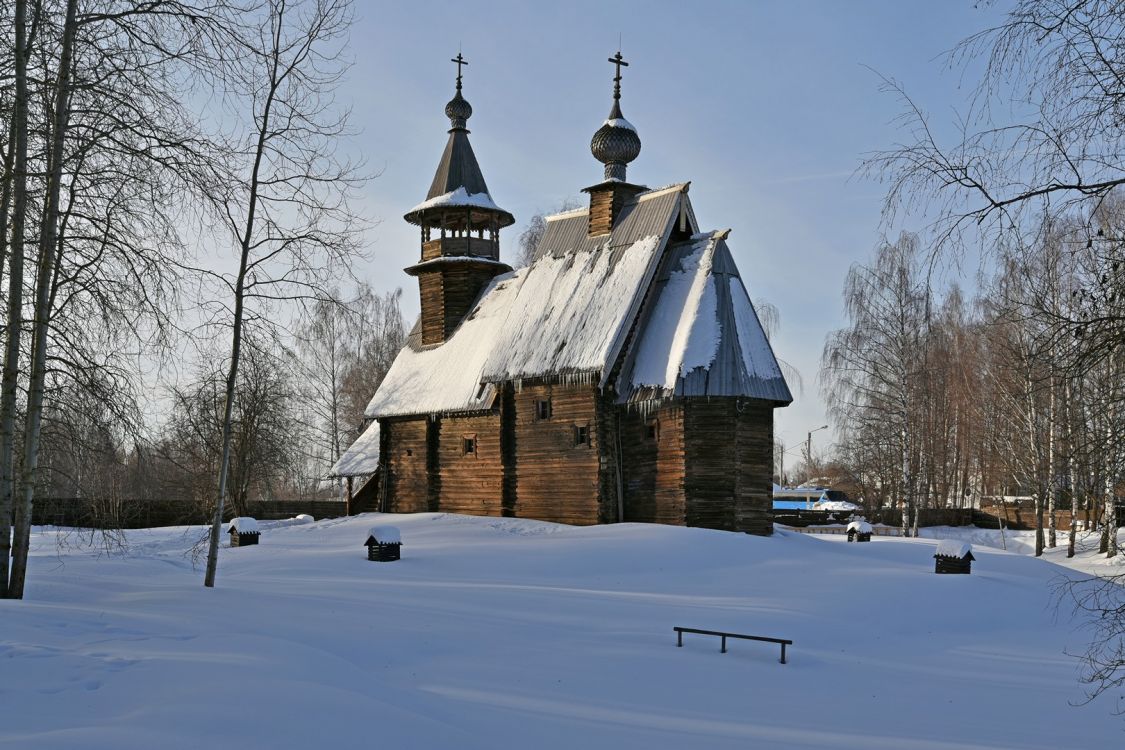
x: 766, y: 107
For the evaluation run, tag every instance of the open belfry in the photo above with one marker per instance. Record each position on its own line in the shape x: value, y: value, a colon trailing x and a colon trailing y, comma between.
x: 622, y: 376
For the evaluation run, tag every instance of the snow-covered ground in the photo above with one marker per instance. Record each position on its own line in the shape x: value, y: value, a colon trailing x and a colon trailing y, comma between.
x: 498, y: 633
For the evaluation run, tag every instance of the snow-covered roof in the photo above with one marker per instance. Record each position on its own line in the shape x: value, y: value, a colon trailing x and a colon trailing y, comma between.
x: 953, y: 548
x: 448, y: 378
x: 384, y: 535
x: 458, y: 197
x: 571, y: 311
x: 835, y: 505
x: 244, y: 525
x: 861, y: 527
x: 701, y: 335
x: 361, y: 457
x: 569, y: 314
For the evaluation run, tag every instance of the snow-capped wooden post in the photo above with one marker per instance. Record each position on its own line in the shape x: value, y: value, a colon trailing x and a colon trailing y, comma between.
x: 859, y: 531
x: 244, y: 531
x: 953, y: 557
x: 383, y: 544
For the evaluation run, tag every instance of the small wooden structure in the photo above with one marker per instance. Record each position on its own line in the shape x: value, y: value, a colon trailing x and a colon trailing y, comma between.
x: 859, y: 531
x: 244, y: 531
x: 953, y: 557
x: 383, y: 544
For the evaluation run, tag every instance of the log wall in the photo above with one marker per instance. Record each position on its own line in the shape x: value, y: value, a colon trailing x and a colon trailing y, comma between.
x: 729, y: 459
x: 606, y: 202
x: 405, y: 461
x: 709, y: 463
x: 653, y: 465
x: 446, y: 297
x: 754, y: 499
x: 556, y: 480
x: 470, y: 483
x: 607, y: 425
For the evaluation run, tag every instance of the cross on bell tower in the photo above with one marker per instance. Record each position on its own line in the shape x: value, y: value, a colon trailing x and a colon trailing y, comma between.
x: 618, y: 61
x: 462, y: 61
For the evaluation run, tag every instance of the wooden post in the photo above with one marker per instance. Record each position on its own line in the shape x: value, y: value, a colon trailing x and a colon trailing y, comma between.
x: 348, y: 505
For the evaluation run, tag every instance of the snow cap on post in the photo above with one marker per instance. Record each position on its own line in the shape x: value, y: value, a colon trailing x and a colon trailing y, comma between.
x: 954, y: 548
x: 244, y: 525
x: 860, y: 527
x: 383, y: 535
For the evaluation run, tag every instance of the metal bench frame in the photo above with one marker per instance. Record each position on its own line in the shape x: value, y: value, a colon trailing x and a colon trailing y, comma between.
x: 680, y: 638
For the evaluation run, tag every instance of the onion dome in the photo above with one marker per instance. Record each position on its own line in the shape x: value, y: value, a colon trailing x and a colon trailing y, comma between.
x: 458, y: 110
x: 616, y: 142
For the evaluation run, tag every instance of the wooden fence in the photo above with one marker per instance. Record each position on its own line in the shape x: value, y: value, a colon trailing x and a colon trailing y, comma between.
x: 139, y: 514
x: 842, y: 530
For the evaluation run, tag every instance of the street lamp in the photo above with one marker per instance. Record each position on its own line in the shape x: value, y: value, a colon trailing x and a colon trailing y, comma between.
x: 808, y: 449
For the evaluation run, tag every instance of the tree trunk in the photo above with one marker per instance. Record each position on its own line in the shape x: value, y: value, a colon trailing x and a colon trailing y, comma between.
x: 246, y: 240
x: 6, y: 193
x: 1071, y: 475
x: 1052, y: 480
x: 8, y: 389
x: 1109, y: 537
x: 48, y: 240
x: 906, y: 503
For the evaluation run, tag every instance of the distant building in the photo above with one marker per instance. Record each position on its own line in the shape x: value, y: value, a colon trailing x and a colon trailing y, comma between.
x: 622, y: 376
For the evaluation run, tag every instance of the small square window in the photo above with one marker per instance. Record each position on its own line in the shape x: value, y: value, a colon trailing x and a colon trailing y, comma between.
x: 652, y: 430
x: 543, y: 409
x: 469, y: 445
x: 409, y: 452
x: 581, y: 435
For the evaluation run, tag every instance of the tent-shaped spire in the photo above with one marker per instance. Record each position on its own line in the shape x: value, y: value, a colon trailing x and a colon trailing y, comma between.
x: 458, y: 180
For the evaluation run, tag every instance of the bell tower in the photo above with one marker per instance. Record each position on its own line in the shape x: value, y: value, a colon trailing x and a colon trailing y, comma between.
x: 460, y: 226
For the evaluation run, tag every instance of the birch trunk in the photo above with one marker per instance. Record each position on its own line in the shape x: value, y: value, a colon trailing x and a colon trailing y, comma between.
x: 246, y: 240
x: 6, y: 193
x: 8, y: 388
x: 48, y: 240
x: 906, y: 504
x: 1052, y: 480
x: 1034, y: 458
x: 1110, y: 524
x: 1071, y: 475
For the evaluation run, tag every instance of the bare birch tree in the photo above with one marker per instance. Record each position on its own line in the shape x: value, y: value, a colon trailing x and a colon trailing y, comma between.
x: 14, y: 325
x: 287, y: 212
x: 870, y: 369
x: 115, y: 153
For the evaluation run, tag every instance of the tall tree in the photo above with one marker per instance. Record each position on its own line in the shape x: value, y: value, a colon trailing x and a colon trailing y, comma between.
x: 288, y: 211
x: 870, y: 369
x: 14, y: 326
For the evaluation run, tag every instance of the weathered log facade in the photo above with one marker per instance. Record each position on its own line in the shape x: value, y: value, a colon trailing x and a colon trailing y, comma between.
x: 558, y: 452
x: 622, y: 376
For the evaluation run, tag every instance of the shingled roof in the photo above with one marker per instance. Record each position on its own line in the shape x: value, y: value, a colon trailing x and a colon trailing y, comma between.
x: 568, y: 316
x: 700, y: 334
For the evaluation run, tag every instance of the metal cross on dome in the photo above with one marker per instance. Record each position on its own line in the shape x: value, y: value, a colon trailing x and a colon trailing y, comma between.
x: 618, y: 60
x: 460, y: 61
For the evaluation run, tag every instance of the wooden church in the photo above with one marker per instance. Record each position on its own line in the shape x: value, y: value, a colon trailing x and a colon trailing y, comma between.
x: 622, y: 376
